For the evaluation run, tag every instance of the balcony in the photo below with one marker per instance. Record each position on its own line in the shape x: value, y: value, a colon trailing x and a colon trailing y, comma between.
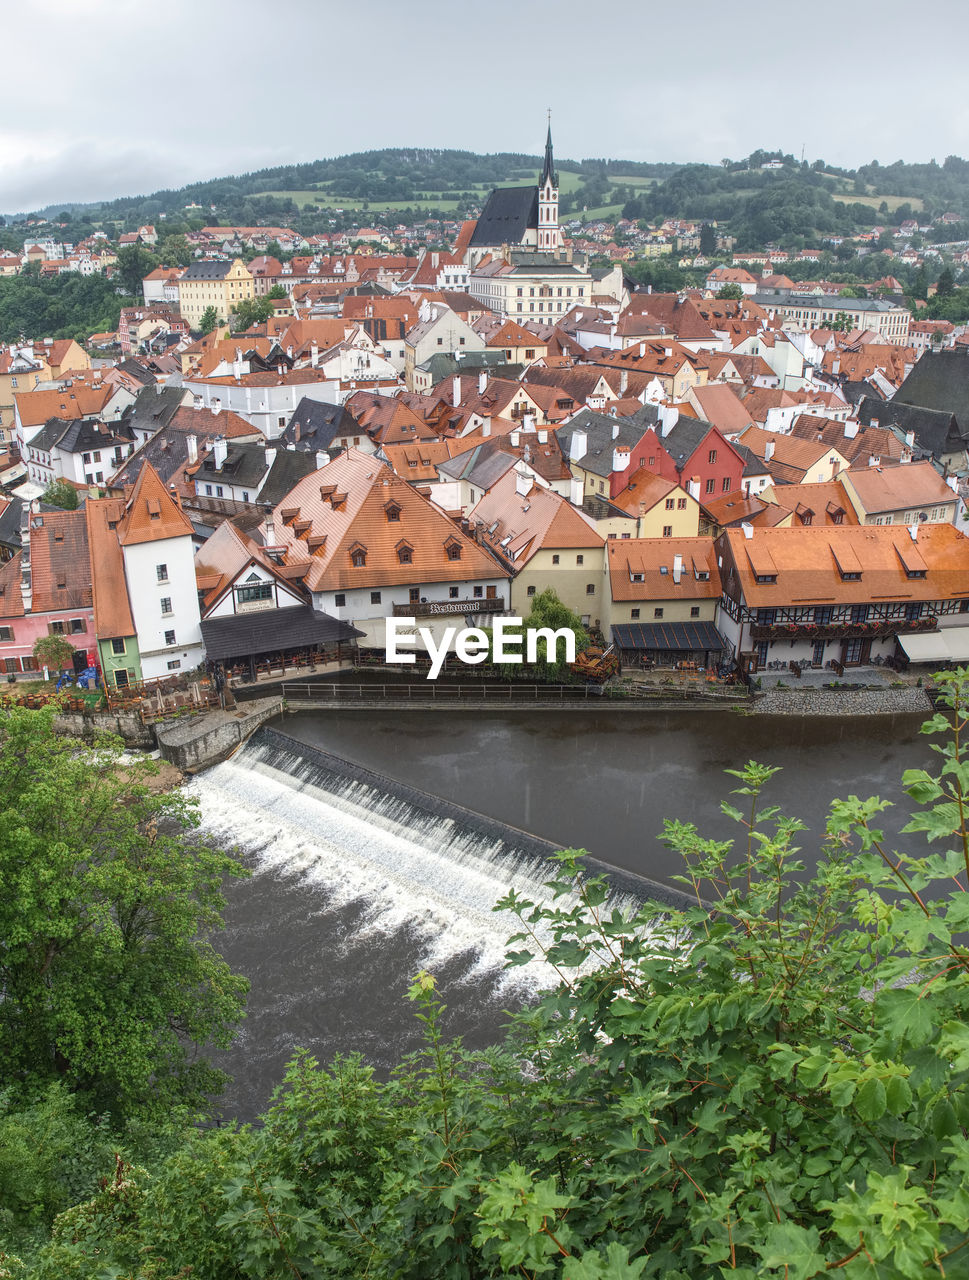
x: 873, y: 629
x: 439, y: 608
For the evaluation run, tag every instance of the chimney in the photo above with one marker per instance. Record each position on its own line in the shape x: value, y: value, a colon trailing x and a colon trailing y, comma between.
x: 748, y: 529
x: 623, y: 381
x: 486, y: 427
x: 482, y: 382
x: 216, y: 406
x: 268, y: 531
x: 192, y: 443
x: 314, y: 354
x: 513, y: 439
x: 768, y: 450
x: 220, y: 449
x: 913, y: 532
x: 909, y: 438
x: 693, y: 487
x: 575, y: 492
x: 615, y: 431
x: 197, y: 402
x: 237, y: 364
x: 543, y: 437
x: 322, y: 459
x: 642, y: 351
x: 289, y: 352
x: 677, y: 569
x: 620, y: 457
x: 523, y: 484
x: 668, y: 418
x: 578, y: 446
x: 528, y: 422
x: 456, y: 391
x: 851, y: 430
x: 873, y: 461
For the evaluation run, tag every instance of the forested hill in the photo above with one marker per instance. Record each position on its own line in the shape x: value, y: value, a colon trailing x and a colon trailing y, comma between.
x: 765, y: 197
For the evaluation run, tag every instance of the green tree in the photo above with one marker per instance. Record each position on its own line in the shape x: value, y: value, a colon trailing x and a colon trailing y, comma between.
x: 731, y: 293
x: 549, y: 613
x: 134, y: 263
x: 708, y: 239
x: 174, y: 251
x: 251, y: 311
x: 108, y: 984
x: 60, y: 494
x: 277, y: 292
x: 854, y: 291
x: 946, y: 284
x: 209, y: 320
x: 53, y: 651
x: 842, y: 323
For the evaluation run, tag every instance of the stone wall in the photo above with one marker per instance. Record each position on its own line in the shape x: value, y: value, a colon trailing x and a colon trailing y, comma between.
x: 204, y: 739
x: 126, y: 724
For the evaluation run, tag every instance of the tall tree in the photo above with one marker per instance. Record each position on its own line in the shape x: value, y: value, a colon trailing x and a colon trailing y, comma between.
x: 108, y: 983
x: 209, y: 320
x: 134, y: 263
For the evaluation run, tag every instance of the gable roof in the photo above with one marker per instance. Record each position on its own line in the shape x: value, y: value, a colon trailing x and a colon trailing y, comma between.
x: 151, y: 514
x: 940, y: 381
x: 603, y: 434
x: 344, y: 506
x: 112, y: 608
x: 518, y: 524
x: 315, y: 424
x: 509, y: 212
x: 915, y: 484
x: 643, y: 569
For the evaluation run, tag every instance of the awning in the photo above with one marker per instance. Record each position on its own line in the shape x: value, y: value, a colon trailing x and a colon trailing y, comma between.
x: 949, y: 645
x: 245, y: 635
x: 687, y: 637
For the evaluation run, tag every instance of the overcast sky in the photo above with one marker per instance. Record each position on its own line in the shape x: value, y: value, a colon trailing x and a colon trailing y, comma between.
x: 107, y: 99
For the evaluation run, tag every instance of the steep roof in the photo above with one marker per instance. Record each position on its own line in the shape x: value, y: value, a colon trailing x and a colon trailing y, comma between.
x: 345, y: 507
x: 940, y: 381
x: 112, y: 608
x: 508, y: 214
x: 60, y: 561
x: 937, y: 431
x: 520, y: 524
x: 151, y: 513
x: 603, y: 435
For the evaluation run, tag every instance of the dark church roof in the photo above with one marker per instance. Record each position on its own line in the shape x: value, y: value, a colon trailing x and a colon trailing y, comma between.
x: 940, y: 381
x: 936, y: 431
x: 508, y: 213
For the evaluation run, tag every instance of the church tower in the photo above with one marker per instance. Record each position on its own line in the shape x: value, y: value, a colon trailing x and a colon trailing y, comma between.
x: 548, y: 201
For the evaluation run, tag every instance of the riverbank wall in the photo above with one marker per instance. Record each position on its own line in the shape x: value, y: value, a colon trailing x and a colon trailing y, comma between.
x: 204, y: 740
x: 910, y: 700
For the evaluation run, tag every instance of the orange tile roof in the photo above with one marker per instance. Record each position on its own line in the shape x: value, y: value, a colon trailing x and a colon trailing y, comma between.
x: 806, y: 564
x: 913, y: 484
x: 112, y: 609
x: 344, y: 506
x: 77, y: 401
x: 151, y: 513
x: 644, y: 490
x: 532, y: 522
x: 226, y: 554
x: 652, y: 558
x: 59, y: 554
x: 823, y: 502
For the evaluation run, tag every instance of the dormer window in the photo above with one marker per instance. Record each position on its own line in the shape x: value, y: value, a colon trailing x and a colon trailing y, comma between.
x: 393, y: 512
x: 405, y: 553
x: 358, y: 556
x: 453, y: 550
x: 765, y: 578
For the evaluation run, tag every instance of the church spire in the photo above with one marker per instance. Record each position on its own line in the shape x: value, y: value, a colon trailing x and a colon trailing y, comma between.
x: 548, y: 172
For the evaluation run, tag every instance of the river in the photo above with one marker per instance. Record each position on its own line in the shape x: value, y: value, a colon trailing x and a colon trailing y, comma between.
x: 353, y: 891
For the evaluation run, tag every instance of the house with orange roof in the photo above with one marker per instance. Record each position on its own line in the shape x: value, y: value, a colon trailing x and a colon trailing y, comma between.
x: 155, y: 537
x: 45, y: 589
x: 826, y: 596
x: 20, y: 370
x: 544, y: 541
x: 367, y: 546
x: 114, y: 629
x: 674, y: 366
x: 910, y: 494
x: 519, y: 345
x: 719, y: 404
x: 252, y: 611
x: 32, y: 409
x: 810, y: 504
x: 792, y: 460
x: 662, y: 604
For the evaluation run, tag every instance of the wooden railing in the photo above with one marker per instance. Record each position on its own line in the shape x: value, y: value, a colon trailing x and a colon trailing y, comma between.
x: 432, y: 690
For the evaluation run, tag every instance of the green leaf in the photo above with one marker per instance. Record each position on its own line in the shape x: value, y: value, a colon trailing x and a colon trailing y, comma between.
x: 870, y: 1100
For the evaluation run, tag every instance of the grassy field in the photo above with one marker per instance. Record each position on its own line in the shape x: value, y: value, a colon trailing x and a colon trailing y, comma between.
x: 891, y: 201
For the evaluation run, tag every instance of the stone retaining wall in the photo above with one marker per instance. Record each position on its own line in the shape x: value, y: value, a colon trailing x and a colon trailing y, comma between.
x: 126, y: 724
x: 208, y: 737
x: 843, y: 702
